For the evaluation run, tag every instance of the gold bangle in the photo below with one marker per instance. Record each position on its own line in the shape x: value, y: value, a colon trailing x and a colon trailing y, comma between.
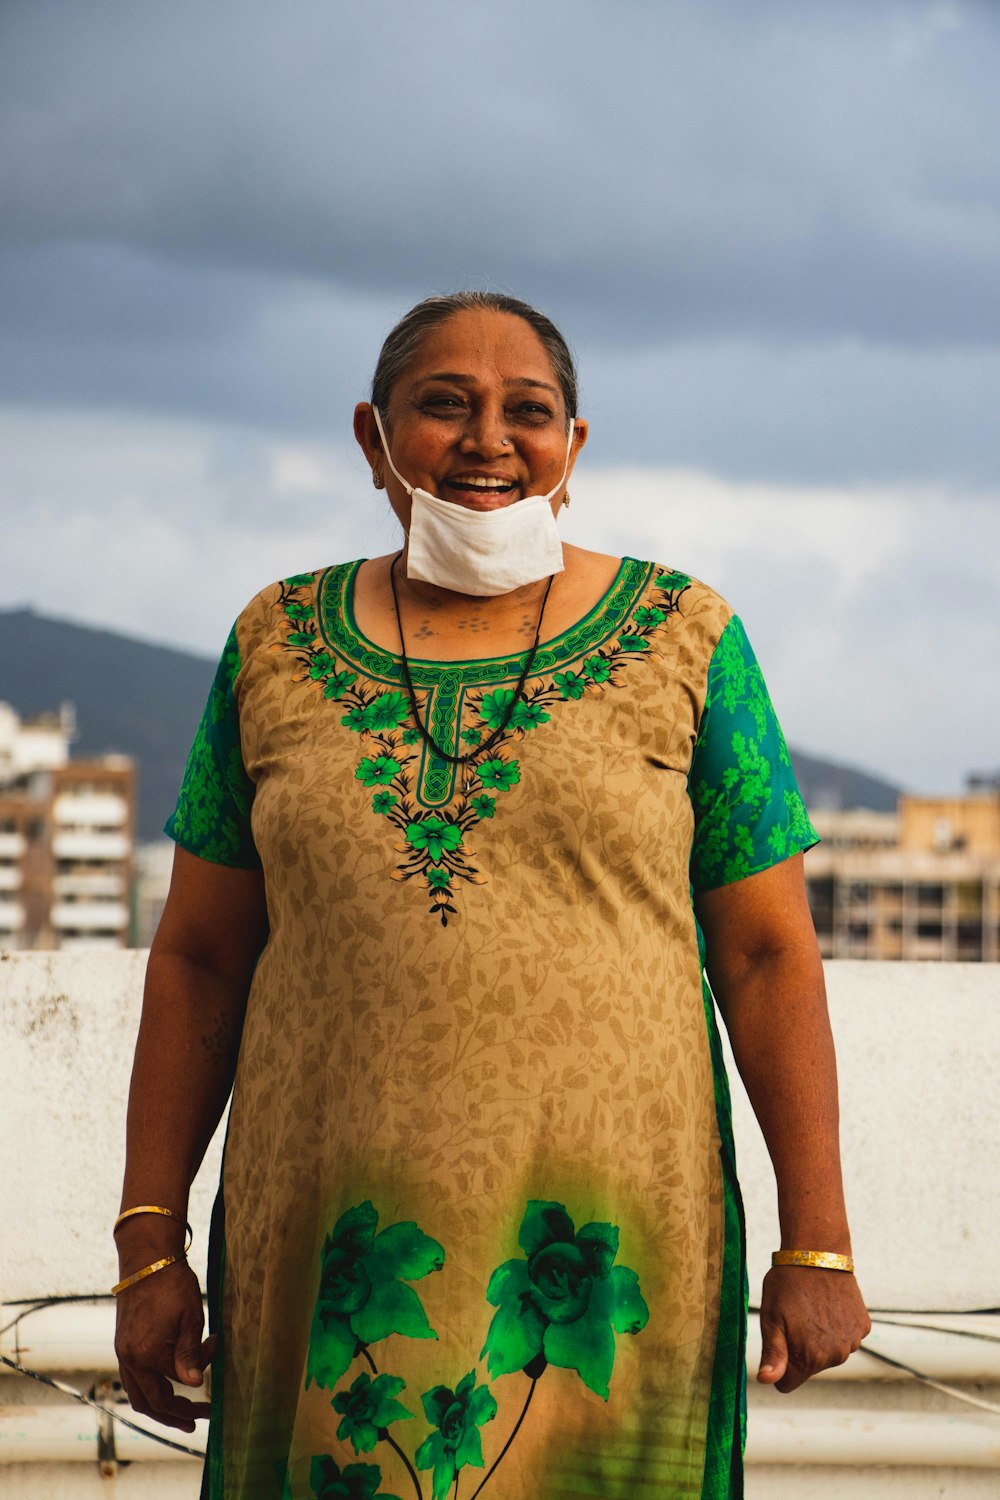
x: 153, y: 1208
x: 158, y: 1265
x: 822, y: 1260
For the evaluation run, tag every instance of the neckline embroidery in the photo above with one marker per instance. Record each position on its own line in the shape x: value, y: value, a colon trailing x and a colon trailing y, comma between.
x: 434, y: 805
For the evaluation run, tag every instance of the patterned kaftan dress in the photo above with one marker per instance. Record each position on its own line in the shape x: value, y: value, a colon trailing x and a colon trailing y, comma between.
x: 479, y: 1205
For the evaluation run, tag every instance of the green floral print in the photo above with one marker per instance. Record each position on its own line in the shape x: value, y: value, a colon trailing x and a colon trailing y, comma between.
x: 356, y: 1482
x: 368, y: 1406
x: 562, y: 1304
x: 212, y: 816
x: 363, y: 1294
x: 457, y: 1416
x: 748, y: 811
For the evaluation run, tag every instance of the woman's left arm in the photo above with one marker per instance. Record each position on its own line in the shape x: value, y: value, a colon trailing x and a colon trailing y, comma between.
x: 766, y: 974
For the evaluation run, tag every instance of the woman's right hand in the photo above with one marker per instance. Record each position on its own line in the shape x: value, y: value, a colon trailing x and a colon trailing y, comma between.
x: 159, y: 1338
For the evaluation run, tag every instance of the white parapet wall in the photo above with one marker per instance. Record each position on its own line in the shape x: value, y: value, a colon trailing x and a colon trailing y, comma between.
x: 919, y: 1054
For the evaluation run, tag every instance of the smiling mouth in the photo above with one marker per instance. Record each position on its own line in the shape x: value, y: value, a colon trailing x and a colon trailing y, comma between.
x: 482, y: 486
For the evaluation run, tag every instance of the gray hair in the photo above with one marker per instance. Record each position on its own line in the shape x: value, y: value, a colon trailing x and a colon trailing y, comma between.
x: 403, y: 343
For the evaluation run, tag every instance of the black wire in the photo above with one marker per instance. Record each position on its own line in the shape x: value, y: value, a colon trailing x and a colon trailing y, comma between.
x: 41, y: 1303
x: 422, y: 729
x: 66, y: 1390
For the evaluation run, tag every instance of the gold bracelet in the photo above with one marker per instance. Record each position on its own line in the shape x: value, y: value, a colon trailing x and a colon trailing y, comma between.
x: 158, y: 1265
x: 823, y: 1260
x: 153, y: 1208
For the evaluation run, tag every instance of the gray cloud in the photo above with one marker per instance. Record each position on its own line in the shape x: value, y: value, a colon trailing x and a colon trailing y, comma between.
x: 660, y: 171
x: 771, y: 230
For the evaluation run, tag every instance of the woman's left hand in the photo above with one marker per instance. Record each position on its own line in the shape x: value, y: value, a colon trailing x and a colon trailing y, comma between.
x: 810, y: 1320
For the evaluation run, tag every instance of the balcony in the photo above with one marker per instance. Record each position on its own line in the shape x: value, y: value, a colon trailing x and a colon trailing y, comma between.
x: 10, y: 878
x: 90, y: 809
x: 89, y: 846
x: 11, y: 917
x: 12, y: 845
x: 89, y: 916
x: 93, y: 883
x: 919, y: 1055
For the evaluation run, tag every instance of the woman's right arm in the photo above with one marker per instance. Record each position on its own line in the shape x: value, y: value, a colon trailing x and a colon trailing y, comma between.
x: 200, y: 965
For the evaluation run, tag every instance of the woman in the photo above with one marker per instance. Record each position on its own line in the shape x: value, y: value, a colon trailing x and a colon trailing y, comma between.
x: 438, y: 841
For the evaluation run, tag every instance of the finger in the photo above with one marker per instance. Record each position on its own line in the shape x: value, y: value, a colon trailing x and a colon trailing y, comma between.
x: 151, y: 1395
x: 187, y: 1349
x: 774, y: 1358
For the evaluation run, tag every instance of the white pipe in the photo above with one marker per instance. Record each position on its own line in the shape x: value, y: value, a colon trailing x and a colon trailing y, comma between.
x: 68, y: 1336
x: 53, y: 1434
x: 79, y: 1336
x: 949, y: 1355
x: 65, y: 1434
x: 895, y: 1439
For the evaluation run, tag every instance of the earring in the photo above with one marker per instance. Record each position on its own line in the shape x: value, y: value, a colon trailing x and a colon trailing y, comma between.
x: 377, y: 479
x: 566, y: 498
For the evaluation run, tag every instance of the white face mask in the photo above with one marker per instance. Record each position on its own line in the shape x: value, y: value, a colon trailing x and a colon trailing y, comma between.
x: 481, y: 552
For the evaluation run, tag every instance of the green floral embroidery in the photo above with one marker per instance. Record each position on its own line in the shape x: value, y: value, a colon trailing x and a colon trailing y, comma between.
x: 356, y: 1482
x: 368, y: 1406
x: 570, y: 684
x: 377, y: 771
x: 502, y: 774
x: 457, y: 1415
x: 363, y: 1295
x: 435, y: 835
x: 493, y: 706
x: 647, y: 615
x: 435, y: 850
x: 597, y: 668
x: 564, y: 1303
x: 337, y: 683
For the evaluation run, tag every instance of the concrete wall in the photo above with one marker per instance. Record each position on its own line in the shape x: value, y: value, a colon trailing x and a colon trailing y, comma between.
x: 919, y: 1049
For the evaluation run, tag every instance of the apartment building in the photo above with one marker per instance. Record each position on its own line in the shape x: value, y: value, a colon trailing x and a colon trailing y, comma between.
x: 66, y: 838
x: 920, y: 883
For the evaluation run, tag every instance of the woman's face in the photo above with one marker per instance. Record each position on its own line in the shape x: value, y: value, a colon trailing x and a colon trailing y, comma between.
x: 477, y: 418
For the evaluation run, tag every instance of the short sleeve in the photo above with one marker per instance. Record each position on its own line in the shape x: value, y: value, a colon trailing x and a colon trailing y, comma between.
x: 212, y: 816
x: 749, y: 813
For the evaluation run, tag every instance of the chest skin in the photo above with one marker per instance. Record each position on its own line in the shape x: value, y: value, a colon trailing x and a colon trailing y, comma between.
x: 441, y: 626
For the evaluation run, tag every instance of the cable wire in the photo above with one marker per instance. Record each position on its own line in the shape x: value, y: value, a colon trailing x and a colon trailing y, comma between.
x: 937, y: 1385
x: 68, y: 1390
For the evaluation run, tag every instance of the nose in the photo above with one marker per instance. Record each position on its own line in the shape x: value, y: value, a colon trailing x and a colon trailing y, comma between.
x: 486, y: 432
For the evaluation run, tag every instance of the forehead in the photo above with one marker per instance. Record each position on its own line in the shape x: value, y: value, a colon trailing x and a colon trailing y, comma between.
x: 488, y: 346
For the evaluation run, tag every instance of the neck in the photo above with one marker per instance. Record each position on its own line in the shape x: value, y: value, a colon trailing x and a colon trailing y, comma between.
x: 448, y: 603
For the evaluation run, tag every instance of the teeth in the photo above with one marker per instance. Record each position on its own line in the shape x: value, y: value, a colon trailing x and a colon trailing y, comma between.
x: 486, y: 484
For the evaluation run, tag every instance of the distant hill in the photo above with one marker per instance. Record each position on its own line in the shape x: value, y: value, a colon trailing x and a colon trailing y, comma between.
x: 145, y: 701
x: 129, y: 696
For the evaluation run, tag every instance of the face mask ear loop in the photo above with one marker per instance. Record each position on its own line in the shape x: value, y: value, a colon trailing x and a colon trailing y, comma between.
x: 388, y: 456
x: 569, y: 448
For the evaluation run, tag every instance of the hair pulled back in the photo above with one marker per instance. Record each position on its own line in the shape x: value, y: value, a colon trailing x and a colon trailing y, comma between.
x: 403, y: 343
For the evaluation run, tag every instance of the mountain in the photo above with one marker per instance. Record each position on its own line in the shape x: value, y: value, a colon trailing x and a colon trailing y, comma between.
x: 130, y: 697
x: 145, y: 701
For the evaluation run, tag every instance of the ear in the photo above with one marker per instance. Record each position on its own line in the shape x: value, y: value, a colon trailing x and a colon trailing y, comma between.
x: 366, y: 432
x: 581, y: 431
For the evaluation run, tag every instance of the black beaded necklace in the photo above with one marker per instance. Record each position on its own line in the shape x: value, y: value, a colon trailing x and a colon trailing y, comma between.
x: 422, y: 729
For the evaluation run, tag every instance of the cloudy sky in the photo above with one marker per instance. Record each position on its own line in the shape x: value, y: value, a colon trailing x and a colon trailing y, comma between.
x: 771, y: 231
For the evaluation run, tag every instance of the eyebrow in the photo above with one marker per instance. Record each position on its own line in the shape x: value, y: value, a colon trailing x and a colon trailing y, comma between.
x: 521, y: 382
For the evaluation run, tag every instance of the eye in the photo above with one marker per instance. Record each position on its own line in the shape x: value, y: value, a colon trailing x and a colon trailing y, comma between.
x: 533, y: 412
x: 443, y: 404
